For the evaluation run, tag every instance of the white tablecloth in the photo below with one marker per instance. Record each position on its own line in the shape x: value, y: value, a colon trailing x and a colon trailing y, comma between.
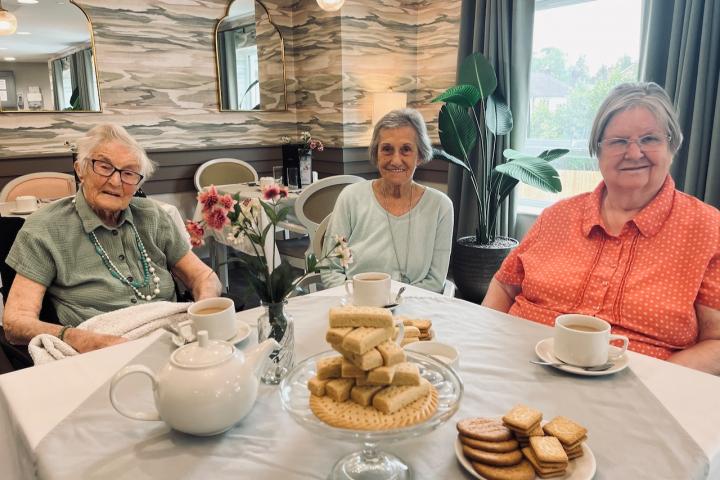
x: 34, y: 401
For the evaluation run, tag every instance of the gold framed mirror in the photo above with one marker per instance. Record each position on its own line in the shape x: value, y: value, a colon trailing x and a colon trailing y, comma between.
x: 250, y: 59
x: 48, y: 63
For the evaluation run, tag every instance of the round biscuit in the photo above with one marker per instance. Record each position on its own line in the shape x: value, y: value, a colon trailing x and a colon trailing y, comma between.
x: 486, y: 429
x: 493, y: 458
x: 521, y: 471
x: 504, y: 446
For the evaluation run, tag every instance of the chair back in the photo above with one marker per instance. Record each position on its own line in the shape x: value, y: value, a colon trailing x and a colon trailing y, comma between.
x: 317, y: 201
x: 318, y: 239
x: 40, y: 184
x: 10, y: 226
x: 224, y: 171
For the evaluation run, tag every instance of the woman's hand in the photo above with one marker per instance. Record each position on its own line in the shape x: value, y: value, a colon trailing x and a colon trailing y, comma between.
x: 197, y: 277
x: 86, y: 341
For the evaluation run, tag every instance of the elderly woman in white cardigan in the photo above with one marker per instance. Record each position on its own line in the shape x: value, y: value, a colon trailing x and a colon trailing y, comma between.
x: 394, y: 224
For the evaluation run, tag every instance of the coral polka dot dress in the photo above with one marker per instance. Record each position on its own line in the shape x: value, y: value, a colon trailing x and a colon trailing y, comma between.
x: 644, y: 281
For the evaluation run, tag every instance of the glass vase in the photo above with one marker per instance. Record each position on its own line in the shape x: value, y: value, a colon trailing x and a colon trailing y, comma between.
x: 276, y: 323
x: 305, y: 170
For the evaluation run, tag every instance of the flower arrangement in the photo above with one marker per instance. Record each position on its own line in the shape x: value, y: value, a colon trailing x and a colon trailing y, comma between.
x: 273, y: 283
x: 306, y: 144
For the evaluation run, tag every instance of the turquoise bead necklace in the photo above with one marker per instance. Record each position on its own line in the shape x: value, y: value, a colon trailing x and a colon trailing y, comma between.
x: 148, y: 270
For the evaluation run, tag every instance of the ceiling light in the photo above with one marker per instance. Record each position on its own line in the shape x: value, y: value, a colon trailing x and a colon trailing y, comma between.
x: 29, y: 2
x: 9, y: 59
x: 23, y: 33
x: 331, y: 5
x: 8, y: 22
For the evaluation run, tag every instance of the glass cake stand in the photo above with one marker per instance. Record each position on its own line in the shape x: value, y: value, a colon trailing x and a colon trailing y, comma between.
x: 371, y: 463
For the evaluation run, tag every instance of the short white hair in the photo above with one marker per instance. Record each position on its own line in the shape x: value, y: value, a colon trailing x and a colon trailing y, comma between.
x: 109, y: 132
x: 405, y: 117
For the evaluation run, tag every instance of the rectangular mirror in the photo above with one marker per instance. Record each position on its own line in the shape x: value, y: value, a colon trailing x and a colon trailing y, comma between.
x: 48, y: 63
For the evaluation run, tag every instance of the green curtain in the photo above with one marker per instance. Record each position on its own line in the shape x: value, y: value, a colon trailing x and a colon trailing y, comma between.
x: 681, y: 52
x: 502, y: 31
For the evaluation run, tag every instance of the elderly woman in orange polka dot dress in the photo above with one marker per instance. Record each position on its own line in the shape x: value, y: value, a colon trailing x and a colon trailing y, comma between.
x: 635, y: 252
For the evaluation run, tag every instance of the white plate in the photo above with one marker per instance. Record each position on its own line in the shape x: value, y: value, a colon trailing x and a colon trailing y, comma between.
x: 23, y: 212
x: 544, y: 350
x: 242, y: 333
x: 347, y: 300
x: 581, y: 468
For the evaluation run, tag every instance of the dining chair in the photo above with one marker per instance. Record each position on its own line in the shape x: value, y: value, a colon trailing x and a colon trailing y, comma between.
x: 39, y: 184
x: 224, y: 171
x: 313, y: 205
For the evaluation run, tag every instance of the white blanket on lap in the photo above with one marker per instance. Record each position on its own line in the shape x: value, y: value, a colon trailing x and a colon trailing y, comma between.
x: 131, y: 323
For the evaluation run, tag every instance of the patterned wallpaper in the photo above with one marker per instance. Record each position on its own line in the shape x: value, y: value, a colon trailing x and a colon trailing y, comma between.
x: 156, y: 68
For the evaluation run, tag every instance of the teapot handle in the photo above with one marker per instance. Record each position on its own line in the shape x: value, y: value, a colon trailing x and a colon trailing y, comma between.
x: 116, y: 379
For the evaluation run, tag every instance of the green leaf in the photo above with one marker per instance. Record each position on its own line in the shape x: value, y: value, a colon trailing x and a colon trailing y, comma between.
x: 476, y: 70
x: 457, y: 131
x: 533, y: 171
x: 269, y: 211
x: 281, y: 281
x: 464, y: 95
x: 503, y: 184
x: 498, y: 117
x: 283, y: 213
x: 265, y: 231
x: 511, y: 154
x: 443, y: 155
x: 554, y: 154
x: 311, y: 261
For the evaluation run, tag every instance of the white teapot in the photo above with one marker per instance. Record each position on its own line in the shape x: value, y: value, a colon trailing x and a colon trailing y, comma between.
x: 206, y: 387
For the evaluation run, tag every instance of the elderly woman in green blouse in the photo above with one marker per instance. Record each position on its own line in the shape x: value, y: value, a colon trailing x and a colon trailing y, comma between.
x: 393, y: 224
x: 99, y: 251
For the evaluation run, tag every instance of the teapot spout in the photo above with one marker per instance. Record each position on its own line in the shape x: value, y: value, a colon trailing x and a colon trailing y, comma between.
x: 257, y: 356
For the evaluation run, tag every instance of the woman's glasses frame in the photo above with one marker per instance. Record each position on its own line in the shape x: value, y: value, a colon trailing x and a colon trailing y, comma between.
x: 646, y: 144
x: 107, y: 170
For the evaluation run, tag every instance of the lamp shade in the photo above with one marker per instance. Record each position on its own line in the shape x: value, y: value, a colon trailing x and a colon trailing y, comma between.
x: 331, y: 5
x: 384, y: 103
x: 8, y: 22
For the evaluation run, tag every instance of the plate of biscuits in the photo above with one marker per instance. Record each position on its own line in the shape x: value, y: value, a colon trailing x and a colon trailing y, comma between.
x: 521, y: 446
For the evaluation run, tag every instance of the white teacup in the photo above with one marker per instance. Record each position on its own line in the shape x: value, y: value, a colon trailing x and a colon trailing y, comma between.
x: 584, y: 341
x: 25, y: 203
x: 216, y: 315
x: 438, y: 350
x: 370, y: 289
x: 266, y: 181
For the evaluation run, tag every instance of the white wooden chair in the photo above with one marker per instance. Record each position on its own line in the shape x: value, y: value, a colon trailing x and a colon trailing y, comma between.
x: 41, y: 185
x: 224, y: 171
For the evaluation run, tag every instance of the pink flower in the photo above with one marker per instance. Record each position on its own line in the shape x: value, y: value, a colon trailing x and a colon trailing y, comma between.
x: 274, y: 192
x: 197, y: 233
x: 208, y: 197
x: 226, y: 201
x: 216, y: 218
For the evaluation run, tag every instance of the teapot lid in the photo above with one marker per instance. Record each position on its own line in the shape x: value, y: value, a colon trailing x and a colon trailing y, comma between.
x: 203, y: 353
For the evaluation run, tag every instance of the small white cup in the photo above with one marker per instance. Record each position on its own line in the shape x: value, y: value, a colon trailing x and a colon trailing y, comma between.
x: 584, y: 341
x: 25, y: 203
x: 216, y: 315
x: 266, y: 181
x: 370, y: 289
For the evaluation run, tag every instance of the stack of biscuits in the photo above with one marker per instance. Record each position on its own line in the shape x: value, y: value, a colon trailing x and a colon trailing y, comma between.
x: 492, y: 450
x: 547, y: 449
x: 416, y: 329
x: 371, y: 369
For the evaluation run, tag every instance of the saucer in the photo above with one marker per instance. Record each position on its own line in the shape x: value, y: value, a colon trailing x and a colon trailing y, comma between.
x: 347, y: 300
x: 23, y: 212
x: 581, y: 468
x: 544, y: 350
x: 243, y: 332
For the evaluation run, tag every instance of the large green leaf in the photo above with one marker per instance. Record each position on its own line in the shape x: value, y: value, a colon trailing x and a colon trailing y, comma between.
x: 463, y: 95
x: 554, y: 154
x: 535, y: 172
x: 476, y: 70
x: 457, y: 131
x: 511, y: 154
x: 498, y: 117
x: 443, y: 155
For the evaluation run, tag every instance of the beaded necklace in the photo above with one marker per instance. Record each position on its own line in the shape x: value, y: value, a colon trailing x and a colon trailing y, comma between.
x: 144, y: 259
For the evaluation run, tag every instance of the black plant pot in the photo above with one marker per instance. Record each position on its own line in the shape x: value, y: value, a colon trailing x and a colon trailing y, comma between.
x: 474, y: 265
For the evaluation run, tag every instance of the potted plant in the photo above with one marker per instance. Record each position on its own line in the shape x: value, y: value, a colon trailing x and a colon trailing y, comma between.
x: 475, y: 113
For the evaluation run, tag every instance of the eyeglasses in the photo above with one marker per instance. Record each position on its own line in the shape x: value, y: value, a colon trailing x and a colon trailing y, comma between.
x: 646, y: 143
x: 106, y: 169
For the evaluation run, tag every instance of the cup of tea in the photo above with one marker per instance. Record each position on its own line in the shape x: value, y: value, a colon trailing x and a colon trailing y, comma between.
x: 25, y: 203
x: 266, y: 181
x: 215, y: 315
x: 584, y: 341
x: 370, y: 289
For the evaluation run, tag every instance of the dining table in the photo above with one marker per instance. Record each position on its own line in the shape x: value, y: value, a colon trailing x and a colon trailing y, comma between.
x: 218, y: 241
x: 654, y: 419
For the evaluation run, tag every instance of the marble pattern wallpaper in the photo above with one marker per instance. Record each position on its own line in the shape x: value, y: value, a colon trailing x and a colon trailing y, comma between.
x: 157, y: 73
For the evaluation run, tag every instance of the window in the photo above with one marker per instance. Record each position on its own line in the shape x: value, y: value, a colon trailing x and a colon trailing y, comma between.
x: 581, y: 50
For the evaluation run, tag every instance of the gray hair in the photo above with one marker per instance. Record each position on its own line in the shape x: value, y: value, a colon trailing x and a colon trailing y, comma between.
x: 108, y: 132
x: 650, y: 96
x: 406, y: 117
